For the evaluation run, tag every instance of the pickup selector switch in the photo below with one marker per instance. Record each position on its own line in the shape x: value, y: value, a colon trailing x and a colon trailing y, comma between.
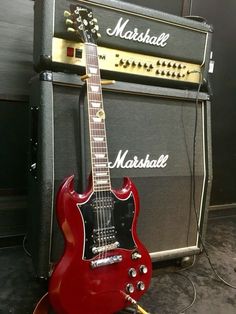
x: 129, y: 288
x: 132, y: 272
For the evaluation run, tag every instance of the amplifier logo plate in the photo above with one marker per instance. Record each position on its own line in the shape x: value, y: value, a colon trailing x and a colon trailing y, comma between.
x: 143, y: 37
x: 146, y: 162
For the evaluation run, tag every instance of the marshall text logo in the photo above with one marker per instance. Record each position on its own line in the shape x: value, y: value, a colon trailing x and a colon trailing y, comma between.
x: 146, y: 162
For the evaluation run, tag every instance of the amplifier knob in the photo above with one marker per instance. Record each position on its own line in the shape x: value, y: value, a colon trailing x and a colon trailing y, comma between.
x: 180, y: 75
x: 163, y: 72
x: 132, y: 272
x: 129, y: 288
x: 158, y: 72
x: 145, y: 65
x: 140, y: 64
x: 180, y: 66
x: 158, y: 62
x: 174, y: 74
x: 122, y: 61
x: 134, y: 63
x: 168, y: 73
x: 164, y: 63
x: 143, y: 269
x: 140, y: 285
x: 151, y: 66
x: 170, y: 64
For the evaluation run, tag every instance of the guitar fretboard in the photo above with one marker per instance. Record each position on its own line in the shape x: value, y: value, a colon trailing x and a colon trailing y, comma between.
x: 97, y: 128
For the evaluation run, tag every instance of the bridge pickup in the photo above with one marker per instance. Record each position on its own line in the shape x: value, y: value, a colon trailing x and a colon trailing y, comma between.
x: 106, y: 261
x: 105, y: 248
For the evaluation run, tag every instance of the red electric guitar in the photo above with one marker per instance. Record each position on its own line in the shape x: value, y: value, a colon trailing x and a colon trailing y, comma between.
x: 104, y: 266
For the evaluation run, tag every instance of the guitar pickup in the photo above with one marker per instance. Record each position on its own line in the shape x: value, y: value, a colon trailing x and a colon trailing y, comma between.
x: 105, y: 248
x: 106, y: 261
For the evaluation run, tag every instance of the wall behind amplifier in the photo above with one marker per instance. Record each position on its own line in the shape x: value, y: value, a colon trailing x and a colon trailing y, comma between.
x: 177, y: 7
x: 223, y: 103
x: 16, y: 42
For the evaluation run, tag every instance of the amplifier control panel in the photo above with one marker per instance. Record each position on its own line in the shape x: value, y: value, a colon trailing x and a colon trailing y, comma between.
x: 114, y: 60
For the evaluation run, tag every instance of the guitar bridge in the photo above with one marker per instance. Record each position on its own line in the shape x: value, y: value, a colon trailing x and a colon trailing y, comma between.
x: 106, y: 261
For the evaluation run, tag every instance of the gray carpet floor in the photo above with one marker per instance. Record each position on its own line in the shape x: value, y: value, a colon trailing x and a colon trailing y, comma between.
x: 170, y: 292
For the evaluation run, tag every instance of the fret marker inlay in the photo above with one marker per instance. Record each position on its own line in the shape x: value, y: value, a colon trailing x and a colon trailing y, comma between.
x: 98, y: 139
x: 93, y: 70
x: 96, y: 104
x: 94, y: 88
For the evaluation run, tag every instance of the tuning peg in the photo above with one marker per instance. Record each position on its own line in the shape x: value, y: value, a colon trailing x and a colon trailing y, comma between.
x: 99, y: 35
x: 90, y: 14
x: 95, y: 20
x: 96, y: 27
x: 70, y: 30
x: 67, y: 14
x: 69, y: 22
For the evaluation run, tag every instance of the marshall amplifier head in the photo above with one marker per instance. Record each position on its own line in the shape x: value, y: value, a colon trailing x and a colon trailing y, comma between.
x: 137, y: 44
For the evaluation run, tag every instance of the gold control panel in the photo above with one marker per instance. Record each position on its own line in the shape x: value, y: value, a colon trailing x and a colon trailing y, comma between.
x: 72, y: 53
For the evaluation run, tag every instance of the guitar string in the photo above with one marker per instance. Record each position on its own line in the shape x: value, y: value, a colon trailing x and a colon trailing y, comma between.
x: 105, y: 194
x: 93, y: 154
x: 98, y: 148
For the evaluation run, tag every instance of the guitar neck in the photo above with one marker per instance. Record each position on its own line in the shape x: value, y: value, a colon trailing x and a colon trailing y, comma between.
x: 97, y: 129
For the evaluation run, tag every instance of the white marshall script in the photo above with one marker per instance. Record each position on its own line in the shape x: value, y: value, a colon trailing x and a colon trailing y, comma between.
x: 120, y: 31
x: 120, y: 161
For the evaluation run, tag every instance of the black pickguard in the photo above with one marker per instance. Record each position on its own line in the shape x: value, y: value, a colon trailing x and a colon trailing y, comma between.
x: 107, y: 220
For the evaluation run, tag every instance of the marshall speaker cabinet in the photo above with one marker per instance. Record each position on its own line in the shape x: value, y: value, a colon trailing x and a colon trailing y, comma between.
x: 137, y: 44
x: 159, y: 137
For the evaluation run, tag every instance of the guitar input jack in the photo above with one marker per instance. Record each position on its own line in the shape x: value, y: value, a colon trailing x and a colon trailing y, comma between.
x: 132, y: 301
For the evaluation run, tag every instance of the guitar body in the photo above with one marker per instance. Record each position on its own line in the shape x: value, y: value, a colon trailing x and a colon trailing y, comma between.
x: 104, y: 261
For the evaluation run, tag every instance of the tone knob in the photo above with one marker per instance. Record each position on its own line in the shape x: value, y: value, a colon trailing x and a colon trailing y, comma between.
x: 143, y: 269
x: 132, y: 272
x: 140, y: 285
x: 129, y: 288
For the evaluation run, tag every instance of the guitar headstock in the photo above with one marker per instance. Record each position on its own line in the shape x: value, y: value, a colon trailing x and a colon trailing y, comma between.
x: 80, y: 21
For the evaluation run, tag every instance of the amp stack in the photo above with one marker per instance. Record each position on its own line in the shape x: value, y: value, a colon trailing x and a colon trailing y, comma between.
x: 157, y: 120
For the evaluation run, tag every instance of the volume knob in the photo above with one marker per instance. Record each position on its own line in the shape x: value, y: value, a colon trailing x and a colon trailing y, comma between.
x: 143, y: 269
x: 129, y: 288
x: 141, y: 285
x: 132, y: 272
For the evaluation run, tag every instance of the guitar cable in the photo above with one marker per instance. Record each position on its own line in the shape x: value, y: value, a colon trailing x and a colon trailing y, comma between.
x: 134, y: 302
x: 193, y: 203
